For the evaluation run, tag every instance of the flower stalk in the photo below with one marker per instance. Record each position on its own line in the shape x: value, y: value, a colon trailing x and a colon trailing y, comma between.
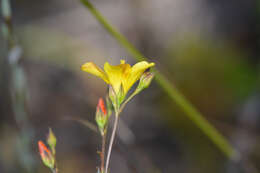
x: 194, y: 115
x: 112, y: 141
x: 103, y: 152
x: 120, y: 79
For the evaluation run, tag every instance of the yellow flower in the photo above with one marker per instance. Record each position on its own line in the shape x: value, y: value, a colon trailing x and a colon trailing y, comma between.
x: 122, y: 74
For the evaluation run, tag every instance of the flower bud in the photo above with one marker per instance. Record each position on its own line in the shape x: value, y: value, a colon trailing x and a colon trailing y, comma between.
x: 145, y: 81
x: 51, y: 140
x: 109, y: 106
x: 46, y: 155
x: 121, y: 95
x: 113, y: 97
x: 112, y: 94
x: 116, y: 98
x: 101, y: 116
x: 101, y: 106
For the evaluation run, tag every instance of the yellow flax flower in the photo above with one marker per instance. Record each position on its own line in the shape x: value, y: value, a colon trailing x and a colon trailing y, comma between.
x: 117, y: 75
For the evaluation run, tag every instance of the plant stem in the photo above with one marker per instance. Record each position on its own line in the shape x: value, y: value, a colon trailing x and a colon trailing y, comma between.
x: 195, y: 116
x: 102, y: 155
x: 54, y: 170
x: 112, y: 140
x: 17, y: 86
x: 115, y: 127
x: 210, y: 131
x: 127, y: 100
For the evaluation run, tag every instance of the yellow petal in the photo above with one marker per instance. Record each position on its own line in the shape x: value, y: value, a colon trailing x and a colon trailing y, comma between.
x: 136, y: 71
x: 117, y: 74
x: 122, y: 61
x: 92, y: 68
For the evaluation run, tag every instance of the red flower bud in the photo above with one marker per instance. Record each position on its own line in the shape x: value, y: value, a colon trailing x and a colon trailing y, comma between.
x: 46, y: 155
x: 101, y: 106
x: 43, y: 149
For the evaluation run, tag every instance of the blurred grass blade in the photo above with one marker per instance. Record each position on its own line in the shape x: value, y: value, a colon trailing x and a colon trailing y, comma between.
x: 197, y: 118
x: 86, y: 123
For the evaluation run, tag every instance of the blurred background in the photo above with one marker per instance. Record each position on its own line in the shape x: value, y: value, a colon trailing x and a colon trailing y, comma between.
x: 208, y: 49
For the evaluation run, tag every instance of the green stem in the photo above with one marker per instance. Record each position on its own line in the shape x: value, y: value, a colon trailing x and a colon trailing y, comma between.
x: 18, y: 92
x: 115, y: 127
x: 211, y: 132
x: 7, y: 28
x: 54, y: 170
x: 111, y: 141
x: 127, y: 100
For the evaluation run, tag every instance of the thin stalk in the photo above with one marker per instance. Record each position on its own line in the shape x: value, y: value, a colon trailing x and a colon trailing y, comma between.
x: 195, y: 116
x: 102, y: 155
x: 115, y: 127
x: 55, y: 170
x: 127, y: 100
x: 112, y: 141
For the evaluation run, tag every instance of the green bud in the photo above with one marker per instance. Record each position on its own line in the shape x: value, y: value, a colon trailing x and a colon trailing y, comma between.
x: 109, y: 106
x: 112, y: 94
x: 51, y: 140
x: 113, y: 97
x: 145, y: 81
x: 121, y: 95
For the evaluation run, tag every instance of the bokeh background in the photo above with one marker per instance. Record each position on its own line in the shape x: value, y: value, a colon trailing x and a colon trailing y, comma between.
x: 208, y: 49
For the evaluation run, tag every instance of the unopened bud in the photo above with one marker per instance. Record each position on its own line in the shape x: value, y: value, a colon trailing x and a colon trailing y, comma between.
x: 121, y: 94
x: 101, y: 116
x: 112, y: 94
x: 101, y: 106
x: 51, y: 140
x: 145, y: 80
x: 113, y: 97
x: 46, y: 155
x: 109, y: 106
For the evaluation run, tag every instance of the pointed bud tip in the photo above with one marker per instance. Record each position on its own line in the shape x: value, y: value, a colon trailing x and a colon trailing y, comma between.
x: 112, y: 92
x: 46, y: 155
x: 101, y: 106
x: 146, y: 80
x: 51, y: 140
x: 42, y: 147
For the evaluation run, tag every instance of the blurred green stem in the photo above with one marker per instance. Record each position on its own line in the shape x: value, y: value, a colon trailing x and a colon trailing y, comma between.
x: 18, y: 89
x: 7, y: 29
x: 211, y: 132
x: 55, y: 170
